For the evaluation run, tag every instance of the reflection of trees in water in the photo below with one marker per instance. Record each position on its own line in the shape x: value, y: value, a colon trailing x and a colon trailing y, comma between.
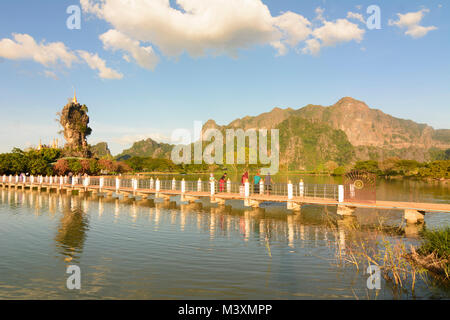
x: 72, y: 230
x: 409, y: 189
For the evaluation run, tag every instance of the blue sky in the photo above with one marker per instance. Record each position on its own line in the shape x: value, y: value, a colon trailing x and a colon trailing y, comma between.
x: 405, y: 75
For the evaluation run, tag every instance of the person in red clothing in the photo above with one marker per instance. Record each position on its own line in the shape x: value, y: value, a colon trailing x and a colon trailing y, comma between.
x: 244, y: 178
x: 222, y: 182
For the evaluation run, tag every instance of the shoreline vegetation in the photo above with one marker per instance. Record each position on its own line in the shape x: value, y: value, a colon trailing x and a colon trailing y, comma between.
x: 402, y: 266
x: 50, y: 161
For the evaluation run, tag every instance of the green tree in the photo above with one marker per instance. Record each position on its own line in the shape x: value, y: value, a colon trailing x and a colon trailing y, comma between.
x: 75, y: 166
x: 369, y: 166
x: 38, y: 166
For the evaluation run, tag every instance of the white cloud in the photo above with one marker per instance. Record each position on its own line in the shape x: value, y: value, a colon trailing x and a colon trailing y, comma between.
x: 280, y: 47
x: 356, y: 16
x: 201, y: 27
x: 331, y: 34
x: 144, y: 56
x: 411, y: 22
x: 319, y: 14
x: 312, y: 47
x: 210, y: 27
x: 50, y: 74
x: 24, y: 47
x: 294, y: 27
x: 96, y: 63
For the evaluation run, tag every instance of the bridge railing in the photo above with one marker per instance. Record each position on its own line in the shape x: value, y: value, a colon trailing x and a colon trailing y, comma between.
x: 94, y: 181
x: 193, y: 186
x: 288, y: 190
x: 109, y: 182
x: 317, y: 191
x: 126, y: 183
x: 146, y: 184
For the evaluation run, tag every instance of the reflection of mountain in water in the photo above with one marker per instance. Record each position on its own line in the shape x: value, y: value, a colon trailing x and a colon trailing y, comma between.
x: 72, y: 230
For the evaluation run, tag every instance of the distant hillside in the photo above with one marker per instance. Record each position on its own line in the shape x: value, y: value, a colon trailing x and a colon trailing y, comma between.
x: 371, y: 127
x: 362, y: 125
x: 373, y: 134
x: 147, y: 148
x: 442, y: 137
x: 101, y: 150
x: 343, y: 133
x: 304, y: 144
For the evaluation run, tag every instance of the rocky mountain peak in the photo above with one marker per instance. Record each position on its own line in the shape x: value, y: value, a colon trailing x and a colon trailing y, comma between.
x: 350, y: 103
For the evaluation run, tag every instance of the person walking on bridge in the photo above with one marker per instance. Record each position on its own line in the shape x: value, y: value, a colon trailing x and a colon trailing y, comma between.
x: 256, y: 182
x: 268, y: 184
x: 244, y: 179
x: 222, y: 182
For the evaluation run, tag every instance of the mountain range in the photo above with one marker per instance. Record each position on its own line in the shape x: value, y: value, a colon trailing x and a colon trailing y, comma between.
x: 344, y: 132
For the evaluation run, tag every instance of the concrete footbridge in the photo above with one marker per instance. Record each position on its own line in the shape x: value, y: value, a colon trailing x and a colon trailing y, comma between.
x: 294, y: 195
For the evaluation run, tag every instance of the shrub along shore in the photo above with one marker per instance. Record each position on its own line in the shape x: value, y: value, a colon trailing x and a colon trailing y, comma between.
x: 49, y: 161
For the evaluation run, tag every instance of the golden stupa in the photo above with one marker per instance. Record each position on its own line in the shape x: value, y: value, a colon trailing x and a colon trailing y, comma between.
x: 74, y: 97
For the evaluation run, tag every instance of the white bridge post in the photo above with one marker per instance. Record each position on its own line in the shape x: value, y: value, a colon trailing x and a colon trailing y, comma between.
x: 301, y: 189
x: 117, y: 185
x: 212, y: 185
x: 228, y: 186
x: 183, y: 186
x: 341, y: 193
x: 247, y: 189
x: 85, y: 183
x: 101, y: 183
x: 199, y: 185
x: 290, y: 190
x: 135, y: 185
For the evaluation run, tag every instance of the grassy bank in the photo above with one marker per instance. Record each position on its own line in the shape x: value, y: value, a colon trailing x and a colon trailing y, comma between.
x: 434, y: 253
x: 402, y: 264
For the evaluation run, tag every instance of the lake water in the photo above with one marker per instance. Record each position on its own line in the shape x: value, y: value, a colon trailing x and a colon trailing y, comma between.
x: 129, y: 249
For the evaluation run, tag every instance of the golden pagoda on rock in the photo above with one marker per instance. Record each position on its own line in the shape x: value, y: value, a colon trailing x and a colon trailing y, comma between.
x: 74, y: 97
x: 55, y: 144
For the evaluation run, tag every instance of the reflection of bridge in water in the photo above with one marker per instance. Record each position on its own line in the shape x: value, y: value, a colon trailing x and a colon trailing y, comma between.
x: 311, y: 227
x: 293, y: 195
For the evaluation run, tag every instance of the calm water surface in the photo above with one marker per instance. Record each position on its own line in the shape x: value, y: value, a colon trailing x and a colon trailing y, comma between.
x: 167, y: 250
